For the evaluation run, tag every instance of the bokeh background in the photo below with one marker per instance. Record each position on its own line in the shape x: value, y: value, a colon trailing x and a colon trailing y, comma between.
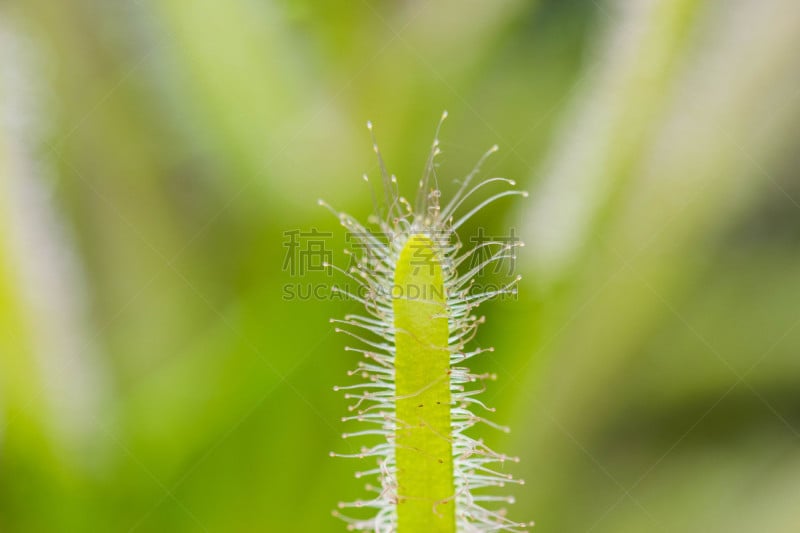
x: 154, y: 154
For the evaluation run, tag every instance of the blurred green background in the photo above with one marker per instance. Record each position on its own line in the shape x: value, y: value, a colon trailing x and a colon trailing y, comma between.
x: 153, y: 155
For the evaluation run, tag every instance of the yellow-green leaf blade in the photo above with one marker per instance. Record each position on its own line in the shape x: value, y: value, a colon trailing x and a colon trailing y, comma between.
x: 422, y: 377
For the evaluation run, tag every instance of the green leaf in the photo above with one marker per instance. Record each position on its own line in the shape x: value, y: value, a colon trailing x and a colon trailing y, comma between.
x: 422, y: 375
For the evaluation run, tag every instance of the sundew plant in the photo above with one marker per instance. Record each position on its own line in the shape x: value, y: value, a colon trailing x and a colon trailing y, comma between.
x: 416, y: 400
